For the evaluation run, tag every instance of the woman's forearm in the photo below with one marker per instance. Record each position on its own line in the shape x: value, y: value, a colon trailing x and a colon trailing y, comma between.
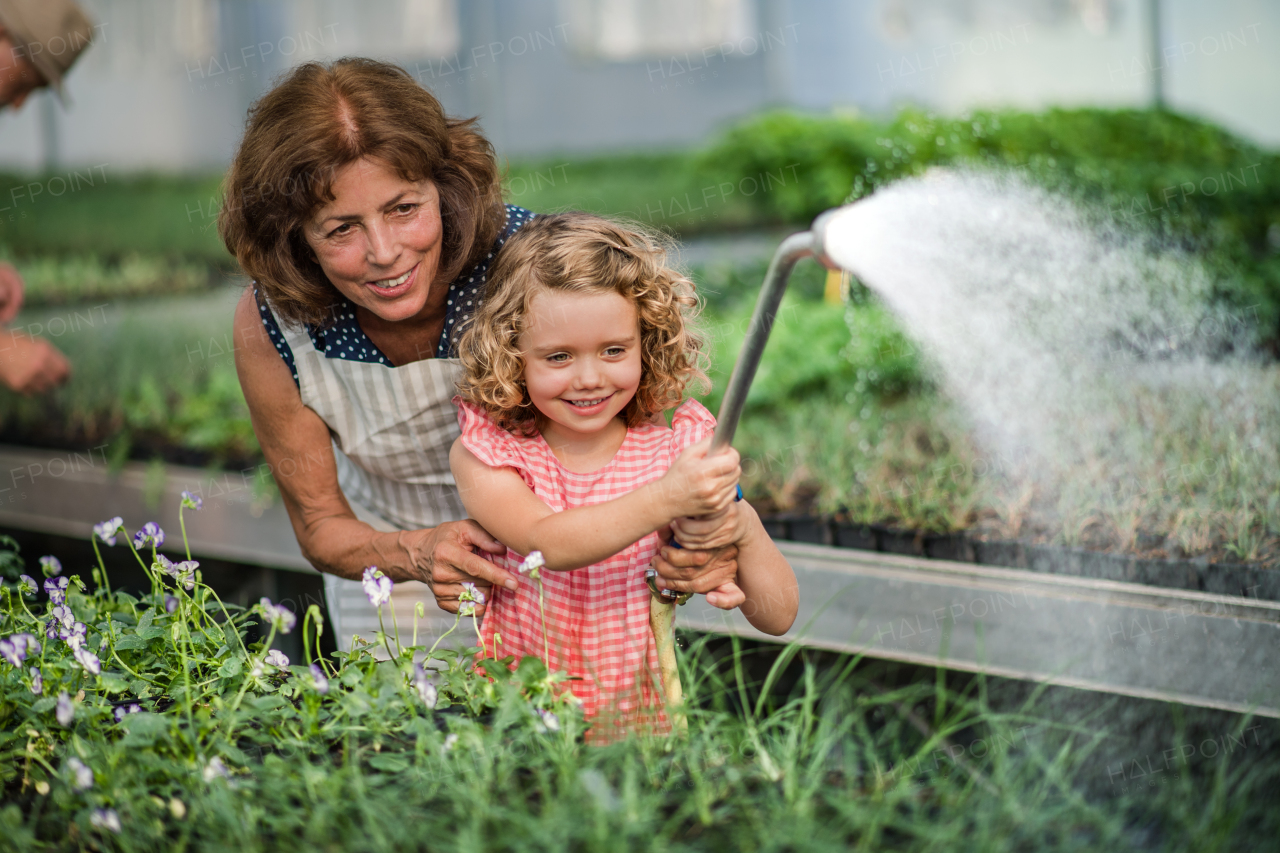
x: 766, y: 578
x: 344, y: 546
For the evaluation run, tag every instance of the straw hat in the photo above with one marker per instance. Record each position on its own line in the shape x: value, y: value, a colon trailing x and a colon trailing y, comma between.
x: 50, y: 33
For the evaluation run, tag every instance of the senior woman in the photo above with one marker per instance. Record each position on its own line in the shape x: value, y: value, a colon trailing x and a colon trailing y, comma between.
x: 367, y: 220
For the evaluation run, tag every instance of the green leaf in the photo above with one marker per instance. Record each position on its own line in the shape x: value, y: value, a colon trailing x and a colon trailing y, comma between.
x: 389, y: 762
x: 148, y: 616
x: 113, y: 683
x: 131, y: 642
x: 231, y: 667
x: 45, y: 704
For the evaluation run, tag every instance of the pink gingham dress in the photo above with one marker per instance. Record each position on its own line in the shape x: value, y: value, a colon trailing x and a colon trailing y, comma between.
x: 597, y: 616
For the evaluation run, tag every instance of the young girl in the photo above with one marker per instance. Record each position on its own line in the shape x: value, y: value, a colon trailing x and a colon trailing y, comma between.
x: 580, y: 346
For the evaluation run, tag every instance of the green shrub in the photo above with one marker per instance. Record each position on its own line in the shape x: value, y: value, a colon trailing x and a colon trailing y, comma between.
x: 1183, y: 181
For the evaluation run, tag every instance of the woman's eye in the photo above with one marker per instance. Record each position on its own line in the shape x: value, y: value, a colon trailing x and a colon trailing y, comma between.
x: 344, y: 228
x: 405, y: 208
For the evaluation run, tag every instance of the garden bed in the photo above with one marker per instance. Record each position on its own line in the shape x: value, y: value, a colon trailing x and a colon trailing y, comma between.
x: 1239, y: 579
x: 180, y: 731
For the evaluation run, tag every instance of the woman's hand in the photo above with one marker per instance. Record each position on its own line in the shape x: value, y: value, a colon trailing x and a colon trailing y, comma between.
x: 712, y: 573
x: 698, y: 483
x: 444, y: 558
x: 11, y: 290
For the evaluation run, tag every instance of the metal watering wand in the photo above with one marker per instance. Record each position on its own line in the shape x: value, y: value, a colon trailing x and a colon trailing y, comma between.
x: 827, y: 241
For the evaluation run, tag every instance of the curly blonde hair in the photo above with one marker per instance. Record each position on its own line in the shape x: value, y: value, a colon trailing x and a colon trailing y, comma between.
x: 581, y: 253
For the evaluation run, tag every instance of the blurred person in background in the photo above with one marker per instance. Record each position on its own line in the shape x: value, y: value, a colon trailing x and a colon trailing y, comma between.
x: 39, y: 42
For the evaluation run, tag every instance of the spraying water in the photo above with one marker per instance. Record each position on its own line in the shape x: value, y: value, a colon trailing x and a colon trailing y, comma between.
x: 1116, y: 398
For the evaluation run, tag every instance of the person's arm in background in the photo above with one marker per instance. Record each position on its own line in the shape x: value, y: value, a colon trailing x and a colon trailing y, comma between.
x: 330, y: 535
x: 27, y: 365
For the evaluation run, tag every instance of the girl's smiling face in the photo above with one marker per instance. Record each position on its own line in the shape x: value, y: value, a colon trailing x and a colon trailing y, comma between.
x: 582, y: 359
x: 379, y: 240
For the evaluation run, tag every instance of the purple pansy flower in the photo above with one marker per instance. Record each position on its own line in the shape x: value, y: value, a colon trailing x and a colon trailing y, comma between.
x: 106, y: 530
x: 122, y: 711
x: 170, y: 603
x: 37, y: 681
x: 57, y: 589
x: 424, y: 686
x: 319, y: 680
x: 150, y: 535
x: 27, y: 585
x: 549, y: 719
x: 63, y: 614
x: 88, y: 660
x: 105, y: 819
x: 65, y: 711
x: 75, y: 635
x: 14, y: 649
x: 279, y: 616
x: 82, y: 773
x: 182, y: 573
x: 377, y: 586
x: 51, y: 566
x: 191, y: 501
x: 278, y: 659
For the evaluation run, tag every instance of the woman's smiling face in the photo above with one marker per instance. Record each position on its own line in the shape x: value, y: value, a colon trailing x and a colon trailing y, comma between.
x: 379, y: 240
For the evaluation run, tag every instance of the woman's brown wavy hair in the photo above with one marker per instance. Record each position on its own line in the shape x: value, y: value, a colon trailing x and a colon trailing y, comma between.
x: 318, y: 119
x: 581, y: 253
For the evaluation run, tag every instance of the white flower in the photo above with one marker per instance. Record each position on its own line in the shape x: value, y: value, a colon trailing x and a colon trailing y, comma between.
x: 105, y: 819
x: 470, y: 593
x: 37, y: 681
x: 424, y: 686
x: 467, y: 608
x: 377, y: 586
x: 278, y: 659
x: 550, y: 720
x: 190, y: 501
x: 50, y: 566
x: 531, y: 564
x: 122, y: 711
x: 66, y: 711
x: 215, y: 769
x: 182, y: 573
x: 449, y: 742
x: 27, y: 585
x: 84, y: 776
x: 107, y: 530
x: 88, y: 660
x: 279, y: 616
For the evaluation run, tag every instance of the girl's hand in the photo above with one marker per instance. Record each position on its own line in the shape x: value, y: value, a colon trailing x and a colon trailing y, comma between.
x: 698, y: 483
x: 710, y: 531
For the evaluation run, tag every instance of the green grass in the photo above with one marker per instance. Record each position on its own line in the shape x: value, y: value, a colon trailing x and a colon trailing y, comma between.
x: 119, y: 215
x: 787, y: 749
x: 661, y: 191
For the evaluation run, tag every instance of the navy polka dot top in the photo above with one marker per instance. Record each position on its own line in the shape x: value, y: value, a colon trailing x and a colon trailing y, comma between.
x: 346, y: 340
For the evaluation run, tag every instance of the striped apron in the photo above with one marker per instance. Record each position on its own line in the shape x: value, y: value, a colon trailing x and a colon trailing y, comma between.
x: 392, y: 428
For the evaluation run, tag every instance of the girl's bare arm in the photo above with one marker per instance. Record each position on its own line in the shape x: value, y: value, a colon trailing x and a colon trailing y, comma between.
x: 505, y: 506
